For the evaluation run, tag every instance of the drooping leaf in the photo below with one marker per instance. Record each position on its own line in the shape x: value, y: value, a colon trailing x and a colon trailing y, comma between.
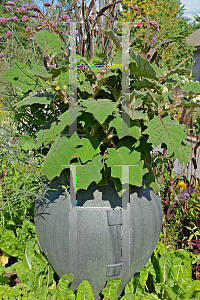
x: 40, y: 98
x: 142, y: 67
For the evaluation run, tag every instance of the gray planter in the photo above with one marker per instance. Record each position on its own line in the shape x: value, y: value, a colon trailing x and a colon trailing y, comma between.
x: 104, y: 227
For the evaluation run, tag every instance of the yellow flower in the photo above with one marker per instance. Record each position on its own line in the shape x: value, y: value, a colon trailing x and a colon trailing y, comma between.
x: 64, y: 87
x: 57, y: 88
x: 1, y: 98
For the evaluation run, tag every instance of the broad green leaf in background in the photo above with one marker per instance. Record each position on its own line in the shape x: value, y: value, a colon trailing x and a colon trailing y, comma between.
x: 61, y: 153
x: 41, y: 72
x: 84, y: 291
x: 191, y: 88
x: 165, y: 131
x: 165, y: 264
x: 48, y: 42
x: 20, y: 76
x: 89, y: 172
x: 40, y: 98
x: 29, y: 253
x: 100, y: 108
x: 49, y: 131
x: 183, y: 153
x: 27, y: 143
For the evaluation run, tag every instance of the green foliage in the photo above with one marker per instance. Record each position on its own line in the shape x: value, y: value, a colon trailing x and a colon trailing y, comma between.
x: 105, y: 148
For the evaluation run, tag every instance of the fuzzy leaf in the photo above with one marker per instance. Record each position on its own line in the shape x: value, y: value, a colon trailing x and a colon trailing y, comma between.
x: 135, y: 130
x: 191, y: 87
x: 20, y: 76
x: 41, y: 72
x: 40, y: 98
x: 165, y: 131
x: 142, y: 67
x: 89, y: 148
x: 100, y: 108
x: 89, y: 172
x: 48, y: 42
x: 122, y: 156
x: 61, y: 153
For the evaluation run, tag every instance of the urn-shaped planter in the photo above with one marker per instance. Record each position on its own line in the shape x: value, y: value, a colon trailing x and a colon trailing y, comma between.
x: 99, y: 237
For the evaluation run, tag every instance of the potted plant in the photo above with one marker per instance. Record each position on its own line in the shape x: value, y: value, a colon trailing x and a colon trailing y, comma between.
x: 102, y: 216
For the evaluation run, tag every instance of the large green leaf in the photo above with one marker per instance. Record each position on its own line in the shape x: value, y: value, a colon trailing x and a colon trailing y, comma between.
x: 20, y: 76
x: 165, y: 131
x: 10, y: 244
x: 89, y: 172
x: 63, y: 292
x: 191, y: 88
x: 122, y: 156
x: 40, y: 98
x: 54, y: 127
x: 48, y: 42
x: 141, y: 66
x: 89, y: 148
x: 41, y: 72
x: 100, y: 108
x: 59, y: 156
x: 135, y: 130
x: 111, y: 289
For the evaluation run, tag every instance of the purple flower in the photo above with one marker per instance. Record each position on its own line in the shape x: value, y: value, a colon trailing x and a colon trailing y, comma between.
x: 130, y: 6
x: 154, y: 40
x: 23, y: 10
x: 29, y: 39
x: 25, y: 19
x: 186, y: 194
x: 27, y: 29
x: 135, y: 7
x: 8, y: 34
x: 13, y: 19
x: 8, y: 8
x: 1, y: 55
x: 156, y: 153
x: 18, y: 9
x: 9, y: 54
x: 33, y: 6
x: 47, y: 4
x: 138, y: 13
x: 12, y: 142
x: 35, y: 15
x: 155, y: 24
x: 144, y: 20
x: 52, y: 66
x: 2, y: 91
x: 1, y: 37
x: 65, y: 17
x: 11, y: 3
x: 118, y: 30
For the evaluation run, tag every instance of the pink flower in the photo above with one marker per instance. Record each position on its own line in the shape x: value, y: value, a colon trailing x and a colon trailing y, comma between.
x: 8, y: 8
x: 1, y: 37
x: 47, y: 4
x: 12, y: 142
x: 11, y: 3
x: 25, y: 19
x: 8, y: 34
x: 57, y: 6
x: 29, y: 39
x: 2, y: 91
x: 1, y: 55
x: 154, y: 40
x: 186, y: 194
x: 139, y: 24
x: 28, y: 28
